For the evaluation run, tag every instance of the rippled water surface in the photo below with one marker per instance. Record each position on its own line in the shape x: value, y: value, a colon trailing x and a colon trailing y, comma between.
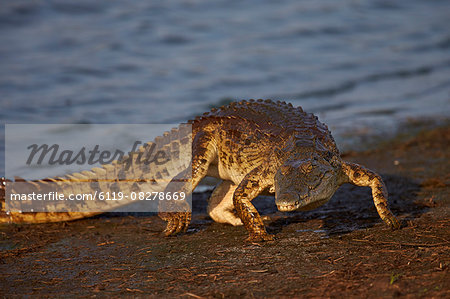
x: 364, y: 65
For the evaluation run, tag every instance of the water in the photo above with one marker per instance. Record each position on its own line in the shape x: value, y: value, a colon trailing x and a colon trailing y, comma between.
x: 359, y: 65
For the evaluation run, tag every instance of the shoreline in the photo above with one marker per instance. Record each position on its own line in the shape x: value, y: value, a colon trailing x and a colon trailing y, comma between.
x: 340, y: 249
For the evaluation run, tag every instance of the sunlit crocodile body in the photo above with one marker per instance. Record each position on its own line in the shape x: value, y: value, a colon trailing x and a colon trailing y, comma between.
x: 261, y: 146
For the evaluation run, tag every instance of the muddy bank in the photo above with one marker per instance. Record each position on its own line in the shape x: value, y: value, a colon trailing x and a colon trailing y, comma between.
x: 340, y: 249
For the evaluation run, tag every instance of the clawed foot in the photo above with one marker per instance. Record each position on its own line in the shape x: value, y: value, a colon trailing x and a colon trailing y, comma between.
x: 392, y: 222
x: 260, y: 237
x: 177, y: 214
x: 176, y: 222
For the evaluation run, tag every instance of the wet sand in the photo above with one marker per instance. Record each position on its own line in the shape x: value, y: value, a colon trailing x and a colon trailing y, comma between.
x: 341, y: 249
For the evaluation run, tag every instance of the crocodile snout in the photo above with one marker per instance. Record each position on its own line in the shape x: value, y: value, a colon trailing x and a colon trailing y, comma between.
x: 287, y: 201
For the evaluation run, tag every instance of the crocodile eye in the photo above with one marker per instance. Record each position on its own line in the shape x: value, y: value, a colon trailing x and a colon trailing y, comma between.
x: 306, y: 167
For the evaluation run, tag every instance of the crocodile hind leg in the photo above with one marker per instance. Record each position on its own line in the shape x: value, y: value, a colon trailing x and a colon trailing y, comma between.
x: 220, y: 206
x: 203, y: 153
x: 176, y: 213
x: 361, y: 176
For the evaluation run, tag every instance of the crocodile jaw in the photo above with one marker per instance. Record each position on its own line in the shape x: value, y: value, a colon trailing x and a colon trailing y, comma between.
x: 288, y: 207
x: 304, y: 205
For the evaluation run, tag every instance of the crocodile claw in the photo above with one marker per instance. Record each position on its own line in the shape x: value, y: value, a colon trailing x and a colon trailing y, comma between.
x: 260, y: 237
x: 176, y: 222
x: 392, y: 222
x: 177, y: 214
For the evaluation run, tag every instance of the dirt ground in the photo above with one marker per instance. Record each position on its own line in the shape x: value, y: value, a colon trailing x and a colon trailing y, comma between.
x: 339, y: 250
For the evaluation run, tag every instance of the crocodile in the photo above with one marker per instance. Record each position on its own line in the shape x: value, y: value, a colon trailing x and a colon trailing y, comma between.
x: 253, y: 147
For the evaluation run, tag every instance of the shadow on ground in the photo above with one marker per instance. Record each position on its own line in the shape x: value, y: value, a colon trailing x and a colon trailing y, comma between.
x: 341, y: 249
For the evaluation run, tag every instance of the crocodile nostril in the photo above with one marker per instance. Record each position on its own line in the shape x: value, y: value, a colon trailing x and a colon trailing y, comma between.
x: 288, y: 198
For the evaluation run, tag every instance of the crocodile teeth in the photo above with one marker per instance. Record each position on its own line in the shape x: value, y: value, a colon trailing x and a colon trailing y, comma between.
x: 287, y: 208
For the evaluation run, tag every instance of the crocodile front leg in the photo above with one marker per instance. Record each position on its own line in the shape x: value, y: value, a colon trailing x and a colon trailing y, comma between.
x: 361, y: 176
x: 250, y: 187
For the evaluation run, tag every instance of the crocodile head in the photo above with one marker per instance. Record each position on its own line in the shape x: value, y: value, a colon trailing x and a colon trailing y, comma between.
x: 305, y: 183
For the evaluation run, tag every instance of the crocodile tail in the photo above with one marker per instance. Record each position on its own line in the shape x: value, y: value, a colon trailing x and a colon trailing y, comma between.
x: 4, y: 218
x: 129, y: 174
x: 34, y: 217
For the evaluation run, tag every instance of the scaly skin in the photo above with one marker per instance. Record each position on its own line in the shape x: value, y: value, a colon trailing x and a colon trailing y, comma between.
x: 114, y: 177
x: 360, y: 176
x: 259, y: 146
x: 256, y: 146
